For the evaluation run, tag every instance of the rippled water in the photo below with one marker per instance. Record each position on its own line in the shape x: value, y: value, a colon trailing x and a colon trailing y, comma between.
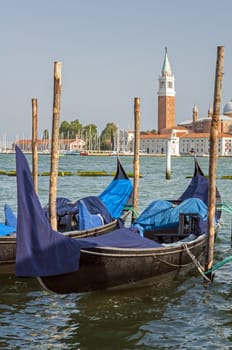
x: 177, y: 312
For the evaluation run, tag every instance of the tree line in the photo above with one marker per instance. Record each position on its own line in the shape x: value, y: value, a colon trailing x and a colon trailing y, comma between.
x: 105, y: 141
x: 88, y: 133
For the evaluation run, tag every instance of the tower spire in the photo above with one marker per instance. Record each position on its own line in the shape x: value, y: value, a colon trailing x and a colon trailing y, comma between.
x: 166, y: 97
x: 166, y: 69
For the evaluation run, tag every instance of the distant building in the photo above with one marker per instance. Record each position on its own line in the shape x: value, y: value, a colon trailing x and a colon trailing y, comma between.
x: 227, y: 110
x: 202, y: 125
x: 44, y: 145
x: 77, y: 145
x: 157, y: 144
x: 188, y: 136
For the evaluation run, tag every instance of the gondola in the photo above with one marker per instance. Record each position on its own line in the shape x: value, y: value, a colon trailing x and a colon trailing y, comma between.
x: 125, y: 256
x: 86, y: 217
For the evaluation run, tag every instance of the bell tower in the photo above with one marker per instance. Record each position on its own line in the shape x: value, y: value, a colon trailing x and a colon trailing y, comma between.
x: 166, y: 98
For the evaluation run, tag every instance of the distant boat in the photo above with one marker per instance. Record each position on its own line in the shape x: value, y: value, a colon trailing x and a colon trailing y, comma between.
x: 71, y: 153
x: 84, y: 153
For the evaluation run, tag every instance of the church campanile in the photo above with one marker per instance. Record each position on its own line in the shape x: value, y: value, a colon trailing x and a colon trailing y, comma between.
x: 166, y: 98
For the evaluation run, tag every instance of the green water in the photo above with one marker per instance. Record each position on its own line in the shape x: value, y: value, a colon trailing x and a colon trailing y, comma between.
x: 177, y: 312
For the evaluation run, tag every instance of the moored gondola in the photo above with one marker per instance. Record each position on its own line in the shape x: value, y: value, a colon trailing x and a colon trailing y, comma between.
x: 121, y: 257
x: 86, y: 217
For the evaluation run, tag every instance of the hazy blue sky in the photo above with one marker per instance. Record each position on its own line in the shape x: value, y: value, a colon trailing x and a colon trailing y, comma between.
x: 111, y: 51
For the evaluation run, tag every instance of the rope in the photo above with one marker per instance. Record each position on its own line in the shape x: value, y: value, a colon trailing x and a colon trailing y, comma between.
x: 201, y: 269
x: 132, y: 210
x: 225, y: 207
x: 170, y: 264
x: 196, y: 263
x: 228, y: 209
x: 219, y: 264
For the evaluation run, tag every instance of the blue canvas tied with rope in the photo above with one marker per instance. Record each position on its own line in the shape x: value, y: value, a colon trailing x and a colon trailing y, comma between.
x: 162, y: 214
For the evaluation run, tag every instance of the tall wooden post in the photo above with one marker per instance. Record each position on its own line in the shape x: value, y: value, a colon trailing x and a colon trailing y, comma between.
x: 136, y: 155
x: 55, y: 145
x: 213, y: 159
x: 34, y: 143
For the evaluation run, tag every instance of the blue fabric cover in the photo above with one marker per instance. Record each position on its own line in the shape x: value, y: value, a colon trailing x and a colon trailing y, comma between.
x: 95, y: 206
x: 10, y: 217
x: 66, y: 209
x: 10, y: 222
x: 41, y: 251
x: 127, y: 237
x: 86, y: 220
x: 63, y: 206
x: 162, y: 214
x: 198, y: 188
x: 6, y: 230
x: 116, y: 196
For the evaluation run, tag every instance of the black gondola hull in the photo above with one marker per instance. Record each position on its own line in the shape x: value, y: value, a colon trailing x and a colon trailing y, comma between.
x: 108, y: 268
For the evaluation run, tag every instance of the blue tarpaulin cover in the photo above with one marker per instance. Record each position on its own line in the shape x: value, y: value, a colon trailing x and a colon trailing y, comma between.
x: 10, y: 222
x: 162, y: 214
x: 6, y: 230
x: 94, y: 206
x: 41, y: 251
x: 10, y: 217
x: 87, y: 220
x: 116, y: 196
x: 66, y: 209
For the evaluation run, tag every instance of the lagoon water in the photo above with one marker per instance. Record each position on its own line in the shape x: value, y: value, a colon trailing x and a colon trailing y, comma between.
x: 178, y: 312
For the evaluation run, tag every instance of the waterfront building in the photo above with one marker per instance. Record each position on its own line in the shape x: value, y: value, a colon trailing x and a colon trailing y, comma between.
x: 77, y: 145
x: 188, y: 136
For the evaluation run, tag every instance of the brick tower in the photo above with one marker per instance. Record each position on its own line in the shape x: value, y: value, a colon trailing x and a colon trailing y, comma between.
x: 166, y: 98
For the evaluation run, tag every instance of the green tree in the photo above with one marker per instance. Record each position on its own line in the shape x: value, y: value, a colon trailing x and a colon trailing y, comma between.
x: 108, y: 136
x: 76, y: 128
x: 89, y: 133
x: 65, y: 130
x: 45, y: 140
x: 70, y: 130
x: 46, y: 134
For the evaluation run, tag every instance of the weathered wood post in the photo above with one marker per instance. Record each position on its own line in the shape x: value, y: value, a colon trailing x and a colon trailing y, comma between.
x: 168, y: 160
x: 55, y: 145
x: 213, y: 159
x: 34, y: 143
x: 136, y: 156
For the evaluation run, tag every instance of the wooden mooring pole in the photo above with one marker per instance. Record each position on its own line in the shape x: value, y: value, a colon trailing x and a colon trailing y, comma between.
x: 55, y: 145
x: 34, y: 143
x: 168, y: 160
x: 136, y: 156
x: 213, y: 160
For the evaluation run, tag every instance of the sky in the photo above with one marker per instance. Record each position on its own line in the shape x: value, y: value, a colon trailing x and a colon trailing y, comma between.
x: 111, y: 52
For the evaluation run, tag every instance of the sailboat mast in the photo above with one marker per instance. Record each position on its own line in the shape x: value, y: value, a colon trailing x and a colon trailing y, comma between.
x: 136, y: 155
x: 35, y: 143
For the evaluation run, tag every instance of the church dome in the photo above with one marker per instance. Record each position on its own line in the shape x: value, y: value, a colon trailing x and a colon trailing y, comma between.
x: 227, y: 110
